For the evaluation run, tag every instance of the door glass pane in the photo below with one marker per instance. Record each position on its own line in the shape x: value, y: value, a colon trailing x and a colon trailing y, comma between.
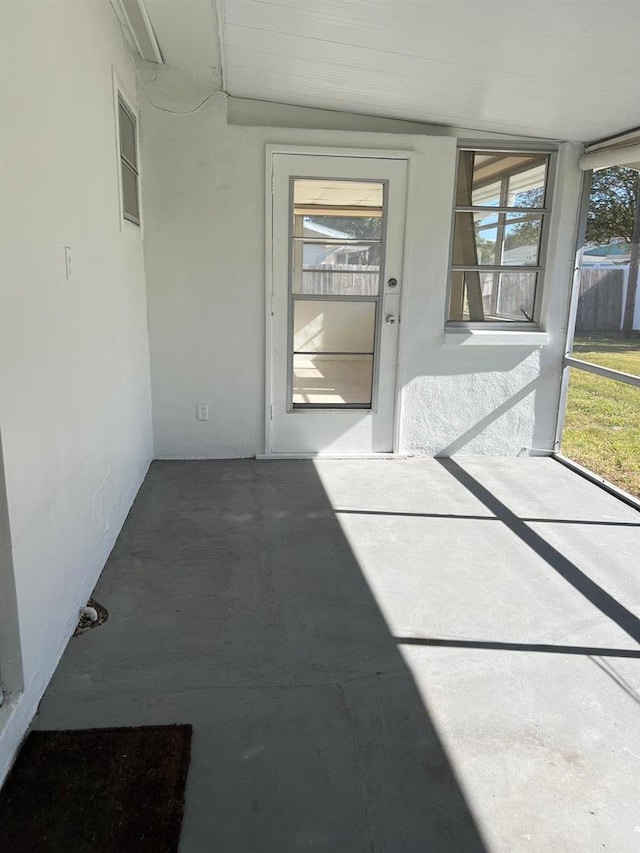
x: 332, y: 326
x: 607, y: 330
x: 332, y: 380
x: 335, y: 226
x: 323, y: 256
x: 342, y: 282
x: 337, y: 250
x: 326, y: 196
x: 337, y: 237
x: 337, y: 269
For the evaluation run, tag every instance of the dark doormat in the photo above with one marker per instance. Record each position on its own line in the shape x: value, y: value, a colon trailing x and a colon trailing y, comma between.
x: 98, y: 790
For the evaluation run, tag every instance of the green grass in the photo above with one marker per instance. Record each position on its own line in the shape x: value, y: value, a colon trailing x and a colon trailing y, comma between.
x: 602, y: 423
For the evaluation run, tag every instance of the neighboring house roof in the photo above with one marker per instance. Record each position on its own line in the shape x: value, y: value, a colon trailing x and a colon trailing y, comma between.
x: 315, y: 255
x: 318, y: 230
x: 521, y: 255
x: 609, y: 253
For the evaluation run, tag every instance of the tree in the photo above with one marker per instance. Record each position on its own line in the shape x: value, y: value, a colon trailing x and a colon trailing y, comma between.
x: 612, y: 205
x: 357, y: 227
x: 525, y: 233
x: 614, y: 214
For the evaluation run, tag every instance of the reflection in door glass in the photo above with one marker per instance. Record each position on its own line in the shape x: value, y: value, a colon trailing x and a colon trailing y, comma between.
x: 332, y: 380
x: 336, y: 268
x: 331, y: 326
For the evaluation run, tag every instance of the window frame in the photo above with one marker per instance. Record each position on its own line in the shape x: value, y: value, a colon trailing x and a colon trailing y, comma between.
x: 125, y: 162
x: 121, y: 97
x: 543, y: 213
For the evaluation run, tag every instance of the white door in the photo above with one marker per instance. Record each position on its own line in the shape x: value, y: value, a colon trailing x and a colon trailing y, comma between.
x: 337, y: 231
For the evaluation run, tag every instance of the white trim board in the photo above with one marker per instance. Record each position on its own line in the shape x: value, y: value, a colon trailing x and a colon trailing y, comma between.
x: 264, y: 457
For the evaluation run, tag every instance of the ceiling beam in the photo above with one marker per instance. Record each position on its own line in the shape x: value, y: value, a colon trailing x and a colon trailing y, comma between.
x: 133, y: 15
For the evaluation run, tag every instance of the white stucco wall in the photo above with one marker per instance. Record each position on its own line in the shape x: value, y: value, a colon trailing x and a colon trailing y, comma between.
x: 205, y: 260
x: 75, y: 390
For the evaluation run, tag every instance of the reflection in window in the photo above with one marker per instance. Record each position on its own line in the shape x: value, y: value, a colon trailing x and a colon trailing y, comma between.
x: 492, y: 239
x: 509, y: 295
x: 498, y: 225
x: 128, y: 162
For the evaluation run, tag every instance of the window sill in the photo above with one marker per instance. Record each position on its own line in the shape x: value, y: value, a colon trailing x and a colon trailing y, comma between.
x: 495, y: 337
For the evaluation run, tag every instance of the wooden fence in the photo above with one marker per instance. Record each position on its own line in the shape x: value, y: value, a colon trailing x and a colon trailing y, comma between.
x: 342, y: 279
x: 600, y: 302
x: 515, y: 296
x: 600, y: 305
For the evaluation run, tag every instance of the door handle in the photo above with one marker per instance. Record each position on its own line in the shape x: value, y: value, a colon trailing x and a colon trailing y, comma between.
x: 391, y: 310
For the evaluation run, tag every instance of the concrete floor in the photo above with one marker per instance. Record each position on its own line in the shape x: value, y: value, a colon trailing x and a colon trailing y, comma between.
x: 410, y: 655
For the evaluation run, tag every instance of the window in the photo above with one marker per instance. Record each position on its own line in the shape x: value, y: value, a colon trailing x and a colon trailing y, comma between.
x: 500, y: 220
x: 128, y: 162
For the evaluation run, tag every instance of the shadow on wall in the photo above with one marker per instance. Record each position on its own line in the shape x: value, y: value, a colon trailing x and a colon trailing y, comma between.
x: 480, y: 426
x: 309, y: 731
x: 504, y: 402
x: 11, y: 674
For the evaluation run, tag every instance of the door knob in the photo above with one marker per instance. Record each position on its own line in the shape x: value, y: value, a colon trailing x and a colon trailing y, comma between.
x: 390, y: 319
x: 393, y: 282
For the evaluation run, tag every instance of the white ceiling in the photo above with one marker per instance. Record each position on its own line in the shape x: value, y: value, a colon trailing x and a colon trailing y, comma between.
x: 567, y: 69
x: 336, y: 193
x: 187, y: 33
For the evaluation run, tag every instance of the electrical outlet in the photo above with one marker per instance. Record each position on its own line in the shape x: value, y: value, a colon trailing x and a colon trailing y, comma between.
x: 67, y: 262
x: 202, y: 412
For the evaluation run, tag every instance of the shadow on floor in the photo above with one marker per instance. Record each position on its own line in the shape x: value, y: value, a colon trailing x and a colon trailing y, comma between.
x: 595, y: 594
x: 238, y: 606
x: 543, y: 648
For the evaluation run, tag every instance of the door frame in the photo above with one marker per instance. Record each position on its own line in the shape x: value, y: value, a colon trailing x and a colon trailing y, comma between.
x: 317, y: 151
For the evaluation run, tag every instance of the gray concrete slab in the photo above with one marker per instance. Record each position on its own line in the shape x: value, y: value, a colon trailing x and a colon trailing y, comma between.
x: 403, y: 655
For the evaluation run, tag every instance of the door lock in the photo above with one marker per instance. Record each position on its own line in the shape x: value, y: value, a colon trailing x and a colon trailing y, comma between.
x: 393, y: 282
x: 390, y: 319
